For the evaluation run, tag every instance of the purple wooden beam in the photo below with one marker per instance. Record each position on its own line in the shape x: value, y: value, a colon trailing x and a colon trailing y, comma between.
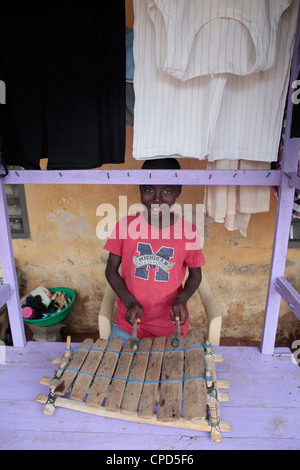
x: 277, y: 268
x: 289, y: 295
x: 187, y: 177
x: 4, y: 294
x: 294, y: 180
x: 284, y: 215
x: 9, y: 273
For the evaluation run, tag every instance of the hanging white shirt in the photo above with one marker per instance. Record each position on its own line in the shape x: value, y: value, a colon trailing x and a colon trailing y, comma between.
x: 200, y: 37
x: 250, y: 119
x: 171, y: 117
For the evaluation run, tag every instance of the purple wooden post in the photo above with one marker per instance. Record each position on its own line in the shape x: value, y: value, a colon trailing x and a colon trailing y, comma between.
x: 283, y: 218
x: 289, y: 294
x: 9, y: 273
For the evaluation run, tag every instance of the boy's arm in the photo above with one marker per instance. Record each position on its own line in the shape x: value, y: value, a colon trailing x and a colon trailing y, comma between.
x: 192, y: 283
x: 134, y: 308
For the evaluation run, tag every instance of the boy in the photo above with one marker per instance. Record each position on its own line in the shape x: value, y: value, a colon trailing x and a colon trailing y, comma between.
x: 153, y: 247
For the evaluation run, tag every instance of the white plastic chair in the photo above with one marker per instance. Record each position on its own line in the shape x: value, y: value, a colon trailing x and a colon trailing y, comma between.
x: 214, y: 316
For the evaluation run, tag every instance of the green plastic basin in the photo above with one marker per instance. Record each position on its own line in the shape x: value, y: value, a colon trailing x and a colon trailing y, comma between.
x: 56, y: 317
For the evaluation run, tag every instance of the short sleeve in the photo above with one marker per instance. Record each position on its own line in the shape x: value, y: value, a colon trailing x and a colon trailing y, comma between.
x: 114, y: 243
x: 194, y: 257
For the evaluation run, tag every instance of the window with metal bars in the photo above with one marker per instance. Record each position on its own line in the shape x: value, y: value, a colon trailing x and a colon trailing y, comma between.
x: 294, y: 241
x: 17, y: 210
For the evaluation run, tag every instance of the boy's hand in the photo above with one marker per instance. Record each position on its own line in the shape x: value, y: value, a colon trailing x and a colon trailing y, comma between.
x: 178, y: 312
x: 135, y: 310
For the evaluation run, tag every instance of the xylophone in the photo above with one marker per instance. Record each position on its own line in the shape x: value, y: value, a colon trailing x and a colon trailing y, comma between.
x: 158, y: 384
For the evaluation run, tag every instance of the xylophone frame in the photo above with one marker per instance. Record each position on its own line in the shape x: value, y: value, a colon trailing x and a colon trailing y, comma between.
x: 147, y: 386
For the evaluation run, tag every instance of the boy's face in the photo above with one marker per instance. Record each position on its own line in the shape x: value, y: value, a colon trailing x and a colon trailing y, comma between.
x: 159, y: 198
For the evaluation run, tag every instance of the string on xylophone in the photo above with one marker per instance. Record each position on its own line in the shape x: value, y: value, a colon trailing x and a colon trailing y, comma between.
x: 206, y: 378
x: 139, y: 352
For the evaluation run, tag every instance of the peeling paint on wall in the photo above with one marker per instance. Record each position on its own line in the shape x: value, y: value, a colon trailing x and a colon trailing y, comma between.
x: 69, y: 226
x: 245, y: 270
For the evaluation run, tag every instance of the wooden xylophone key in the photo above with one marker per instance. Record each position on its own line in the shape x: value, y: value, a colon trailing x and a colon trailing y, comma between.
x: 99, y: 388
x: 69, y: 375
x: 195, y: 395
x: 149, y: 393
x: 85, y: 377
x: 117, y: 387
x: 137, y: 372
x: 171, y: 387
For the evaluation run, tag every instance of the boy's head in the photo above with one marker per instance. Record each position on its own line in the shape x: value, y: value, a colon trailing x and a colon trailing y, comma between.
x: 159, y: 198
x: 161, y: 164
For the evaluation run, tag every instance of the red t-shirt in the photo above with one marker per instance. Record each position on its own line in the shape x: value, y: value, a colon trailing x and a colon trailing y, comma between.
x: 153, y: 268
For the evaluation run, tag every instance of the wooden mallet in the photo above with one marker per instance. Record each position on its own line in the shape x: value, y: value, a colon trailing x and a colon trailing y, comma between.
x: 175, y: 341
x: 134, y: 344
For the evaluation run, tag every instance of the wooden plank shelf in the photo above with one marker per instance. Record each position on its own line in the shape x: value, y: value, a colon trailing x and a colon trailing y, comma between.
x: 258, y: 419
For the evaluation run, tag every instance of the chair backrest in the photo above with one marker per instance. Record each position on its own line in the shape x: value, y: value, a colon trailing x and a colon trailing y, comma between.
x: 213, y: 314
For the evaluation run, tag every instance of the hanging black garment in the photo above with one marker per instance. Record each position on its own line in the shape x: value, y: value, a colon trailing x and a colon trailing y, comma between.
x: 64, y: 67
